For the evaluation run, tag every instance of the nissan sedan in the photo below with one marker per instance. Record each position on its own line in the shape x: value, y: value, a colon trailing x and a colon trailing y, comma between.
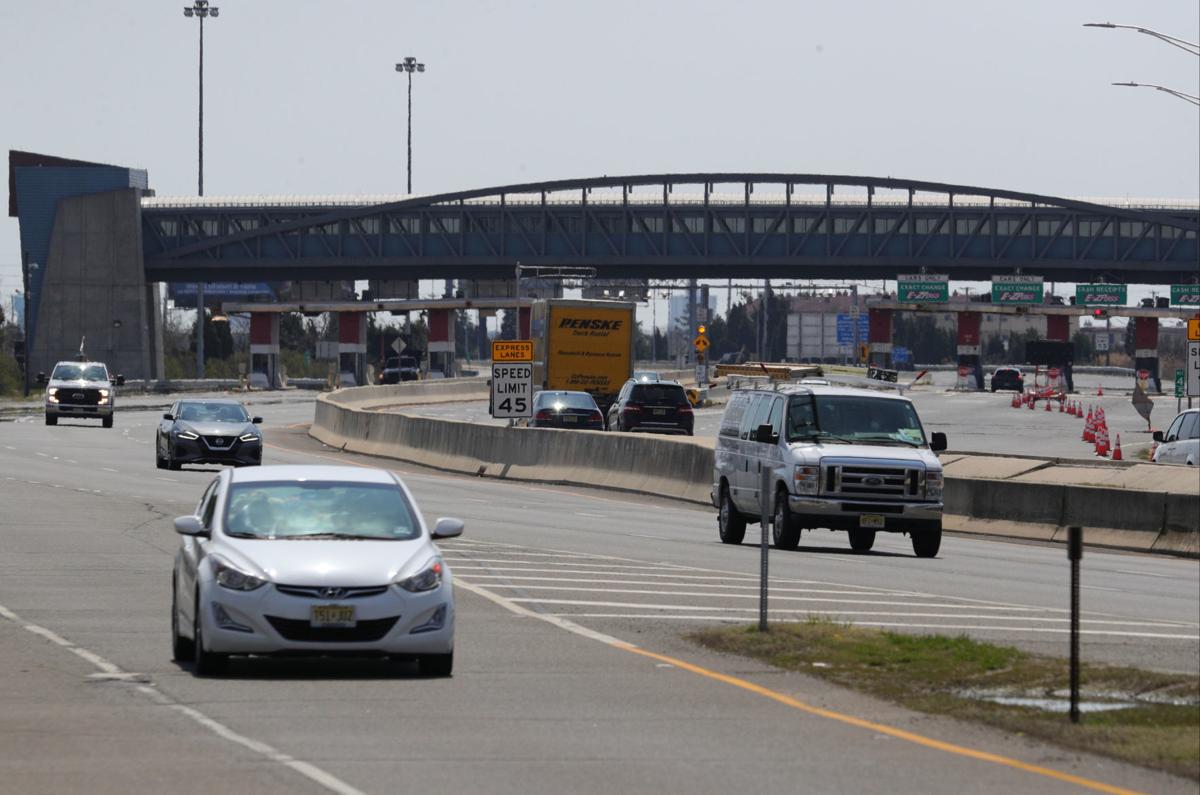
x: 311, y: 560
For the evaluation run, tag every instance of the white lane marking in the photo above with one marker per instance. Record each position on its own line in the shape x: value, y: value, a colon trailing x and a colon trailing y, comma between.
x: 1144, y: 574
x: 110, y: 469
x: 9, y: 447
x: 72, y: 461
x: 169, y: 480
x: 43, y: 455
x: 558, y: 621
x: 306, y: 769
x: 592, y: 515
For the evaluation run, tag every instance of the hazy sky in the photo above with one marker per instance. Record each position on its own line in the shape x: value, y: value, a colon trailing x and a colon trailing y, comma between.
x: 302, y: 97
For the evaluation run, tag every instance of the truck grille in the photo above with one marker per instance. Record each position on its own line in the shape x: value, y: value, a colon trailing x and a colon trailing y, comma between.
x: 79, y: 397
x: 867, y: 482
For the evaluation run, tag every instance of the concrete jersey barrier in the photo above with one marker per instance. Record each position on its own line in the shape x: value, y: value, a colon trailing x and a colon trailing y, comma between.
x: 1024, y: 501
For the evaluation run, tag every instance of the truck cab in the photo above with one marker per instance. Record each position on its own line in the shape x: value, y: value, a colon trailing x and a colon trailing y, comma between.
x: 80, y: 389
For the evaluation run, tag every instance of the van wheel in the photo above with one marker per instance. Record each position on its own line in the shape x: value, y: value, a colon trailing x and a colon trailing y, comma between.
x: 785, y: 530
x: 730, y: 524
x: 927, y: 543
x: 862, y: 540
x: 107, y: 421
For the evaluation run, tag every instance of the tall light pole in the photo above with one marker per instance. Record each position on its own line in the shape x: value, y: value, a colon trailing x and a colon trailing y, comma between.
x: 410, y: 65
x: 1195, y: 100
x: 200, y: 9
x: 1191, y: 48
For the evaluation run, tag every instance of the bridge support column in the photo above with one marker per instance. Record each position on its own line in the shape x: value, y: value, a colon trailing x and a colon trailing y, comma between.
x: 523, y: 323
x: 264, y: 350
x: 352, y: 348
x: 441, y: 341
x: 1145, y: 354
x: 879, y: 337
x: 1058, y: 329
x: 968, y: 346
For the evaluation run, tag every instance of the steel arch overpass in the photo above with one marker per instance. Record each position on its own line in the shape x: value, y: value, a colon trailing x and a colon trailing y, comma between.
x: 700, y: 225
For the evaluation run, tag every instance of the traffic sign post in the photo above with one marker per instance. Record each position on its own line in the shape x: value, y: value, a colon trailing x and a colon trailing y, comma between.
x: 702, y: 344
x: 512, y: 379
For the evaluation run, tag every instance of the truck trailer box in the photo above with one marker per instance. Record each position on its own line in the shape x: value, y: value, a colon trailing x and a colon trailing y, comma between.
x: 585, y: 346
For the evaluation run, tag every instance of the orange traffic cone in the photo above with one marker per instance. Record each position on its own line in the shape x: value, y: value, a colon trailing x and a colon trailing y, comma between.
x: 1061, y: 407
x: 1116, y: 456
x: 1089, y: 428
x: 1102, y: 443
x: 1048, y: 405
x: 1100, y: 392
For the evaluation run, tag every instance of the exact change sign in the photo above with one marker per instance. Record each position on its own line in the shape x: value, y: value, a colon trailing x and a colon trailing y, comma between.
x: 512, y: 390
x: 1009, y: 289
x: 923, y: 288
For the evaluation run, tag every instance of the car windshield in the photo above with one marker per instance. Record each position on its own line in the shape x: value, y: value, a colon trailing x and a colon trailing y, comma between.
x: 408, y: 361
x: 853, y: 418
x: 659, y: 394
x: 565, y: 400
x: 79, y: 372
x: 291, y: 510
x: 212, y: 412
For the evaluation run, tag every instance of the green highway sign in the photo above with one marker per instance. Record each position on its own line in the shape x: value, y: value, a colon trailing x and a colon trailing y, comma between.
x: 1185, y: 295
x: 923, y: 288
x: 1180, y: 384
x: 1100, y: 295
x: 1018, y: 290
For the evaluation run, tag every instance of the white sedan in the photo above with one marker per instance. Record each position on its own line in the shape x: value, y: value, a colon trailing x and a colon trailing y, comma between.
x: 311, y: 560
x: 1181, y: 443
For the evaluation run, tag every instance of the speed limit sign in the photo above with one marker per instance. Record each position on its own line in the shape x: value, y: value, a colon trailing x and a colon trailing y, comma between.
x: 512, y: 390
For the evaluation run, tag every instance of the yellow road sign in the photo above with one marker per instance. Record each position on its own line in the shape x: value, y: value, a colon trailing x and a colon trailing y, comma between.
x: 701, y: 343
x: 512, y: 350
x: 1194, y: 328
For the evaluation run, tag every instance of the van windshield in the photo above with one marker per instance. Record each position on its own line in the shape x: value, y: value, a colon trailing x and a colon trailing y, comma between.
x: 853, y: 419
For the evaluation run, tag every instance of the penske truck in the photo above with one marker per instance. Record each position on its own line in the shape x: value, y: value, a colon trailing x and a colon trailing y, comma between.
x: 583, y: 346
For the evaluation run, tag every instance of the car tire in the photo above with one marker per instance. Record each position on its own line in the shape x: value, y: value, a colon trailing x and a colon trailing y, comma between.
x: 731, y: 525
x: 926, y: 543
x: 107, y: 421
x: 862, y: 540
x: 993, y: 387
x: 159, y: 461
x: 785, y: 530
x: 204, y: 662
x: 439, y: 665
x: 181, y: 647
x: 51, y: 419
x: 172, y: 464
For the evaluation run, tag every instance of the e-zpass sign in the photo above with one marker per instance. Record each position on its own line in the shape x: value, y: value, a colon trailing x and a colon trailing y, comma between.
x: 512, y: 390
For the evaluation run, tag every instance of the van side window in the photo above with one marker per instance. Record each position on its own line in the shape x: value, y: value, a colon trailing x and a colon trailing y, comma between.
x: 775, y: 418
x: 756, y: 414
x: 732, y: 419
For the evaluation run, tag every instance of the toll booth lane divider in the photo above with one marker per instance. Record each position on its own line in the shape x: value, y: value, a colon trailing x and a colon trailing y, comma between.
x: 1029, y: 506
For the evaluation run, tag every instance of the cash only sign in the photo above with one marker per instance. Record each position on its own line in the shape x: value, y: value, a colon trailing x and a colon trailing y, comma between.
x: 512, y: 379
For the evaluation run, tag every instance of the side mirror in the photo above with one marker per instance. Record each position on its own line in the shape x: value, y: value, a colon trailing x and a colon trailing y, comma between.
x: 765, y: 433
x: 191, y: 526
x: 447, y: 528
x: 120, y: 380
x: 937, y: 441
x: 41, y: 379
x: 1158, y: 436
x: 257, y: 420
x: 168, y: 416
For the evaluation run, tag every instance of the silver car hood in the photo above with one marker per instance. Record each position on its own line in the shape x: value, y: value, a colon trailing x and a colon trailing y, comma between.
x: 331, y: 562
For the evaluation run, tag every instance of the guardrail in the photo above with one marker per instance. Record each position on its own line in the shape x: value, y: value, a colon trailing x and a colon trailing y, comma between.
x: 681, y: 468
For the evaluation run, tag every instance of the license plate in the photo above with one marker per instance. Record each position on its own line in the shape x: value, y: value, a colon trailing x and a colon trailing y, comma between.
x: 570, y: 418
x: 660, y: 412
x: 872, y: 520
x: 332, y: 616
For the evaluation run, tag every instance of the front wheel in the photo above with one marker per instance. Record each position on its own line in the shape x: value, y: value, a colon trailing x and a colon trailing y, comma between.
x: 181, y: 647
x: 204, y: 662
x: 436, y: 664
x: 51, y: 419
x: 862, y: 540
x: 927, y: 543
x: 785, y: 530
x: 107, y: 421
x: 730, y: 524
x: 172, y: 464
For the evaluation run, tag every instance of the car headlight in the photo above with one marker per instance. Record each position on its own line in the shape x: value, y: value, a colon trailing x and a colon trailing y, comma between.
x: 233, y: 578
x: 103, y: 393
x: 806, y: 479
x: 187, y: 435
x: 249, y: 437
x: 427, y: 579
x: 52, y: 394
x: 933, y: 485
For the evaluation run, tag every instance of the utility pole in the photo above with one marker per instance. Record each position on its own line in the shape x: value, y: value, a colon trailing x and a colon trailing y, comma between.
x: 200, y: 9
x: 410, y: 65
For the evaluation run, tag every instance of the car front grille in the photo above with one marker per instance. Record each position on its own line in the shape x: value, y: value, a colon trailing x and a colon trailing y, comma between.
x: 303, y: 632
x: 867, y: 482
x: 220, y: 442
x: 79, y: 397
x: 328, y: 592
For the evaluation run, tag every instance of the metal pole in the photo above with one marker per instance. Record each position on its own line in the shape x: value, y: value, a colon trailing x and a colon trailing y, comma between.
x: 25, y: 319
x: 765, y: 518
x: 200, y: 190
x: 517, y: 316
x: 410, y: 133
x: 653, y: 328
x: 1074, y: 552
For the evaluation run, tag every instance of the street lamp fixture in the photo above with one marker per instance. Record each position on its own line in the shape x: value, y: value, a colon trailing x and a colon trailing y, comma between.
x: 410, y: 65
x: 1185, y: 97
x: 1187, y: 46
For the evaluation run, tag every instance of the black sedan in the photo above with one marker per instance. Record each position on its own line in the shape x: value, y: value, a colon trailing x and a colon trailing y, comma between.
x: 208, y: 432
x: 1008, y: 378
x: 561, y: 409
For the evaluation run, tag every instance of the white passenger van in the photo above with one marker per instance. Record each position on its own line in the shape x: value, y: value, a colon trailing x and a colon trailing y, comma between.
x: 839, y: 458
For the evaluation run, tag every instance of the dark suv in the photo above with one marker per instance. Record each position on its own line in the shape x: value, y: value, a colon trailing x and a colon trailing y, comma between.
x: 1008, y: 378
x: 661, y: 407
x: 397, y: 369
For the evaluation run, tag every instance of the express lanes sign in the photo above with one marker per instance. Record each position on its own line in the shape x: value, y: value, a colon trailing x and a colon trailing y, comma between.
x: 512, y: 390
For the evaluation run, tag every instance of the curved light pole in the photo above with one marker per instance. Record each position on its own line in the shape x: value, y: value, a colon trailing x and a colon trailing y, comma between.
x: 410, y: 65
x: 1185, y: 97
x: 200, y: 10
x: 1183, y: 44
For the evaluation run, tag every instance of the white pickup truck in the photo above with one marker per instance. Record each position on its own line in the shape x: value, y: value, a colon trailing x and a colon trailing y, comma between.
x: 80, y: 389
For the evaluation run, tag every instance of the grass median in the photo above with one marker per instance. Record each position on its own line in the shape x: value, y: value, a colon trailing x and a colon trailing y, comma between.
x: 1147, y: 718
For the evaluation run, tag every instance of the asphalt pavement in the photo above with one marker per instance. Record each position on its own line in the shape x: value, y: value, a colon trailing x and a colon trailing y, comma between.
x: 565, y: 593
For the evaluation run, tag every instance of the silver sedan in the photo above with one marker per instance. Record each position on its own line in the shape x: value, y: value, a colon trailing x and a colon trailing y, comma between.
x: 308, y: 560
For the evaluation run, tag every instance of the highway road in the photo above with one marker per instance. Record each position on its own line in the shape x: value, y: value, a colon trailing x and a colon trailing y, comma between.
x: 974, y: 422
x: 572, y: 672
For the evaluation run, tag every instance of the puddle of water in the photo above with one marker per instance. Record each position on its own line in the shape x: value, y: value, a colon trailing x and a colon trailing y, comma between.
x: 1057, y: 704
